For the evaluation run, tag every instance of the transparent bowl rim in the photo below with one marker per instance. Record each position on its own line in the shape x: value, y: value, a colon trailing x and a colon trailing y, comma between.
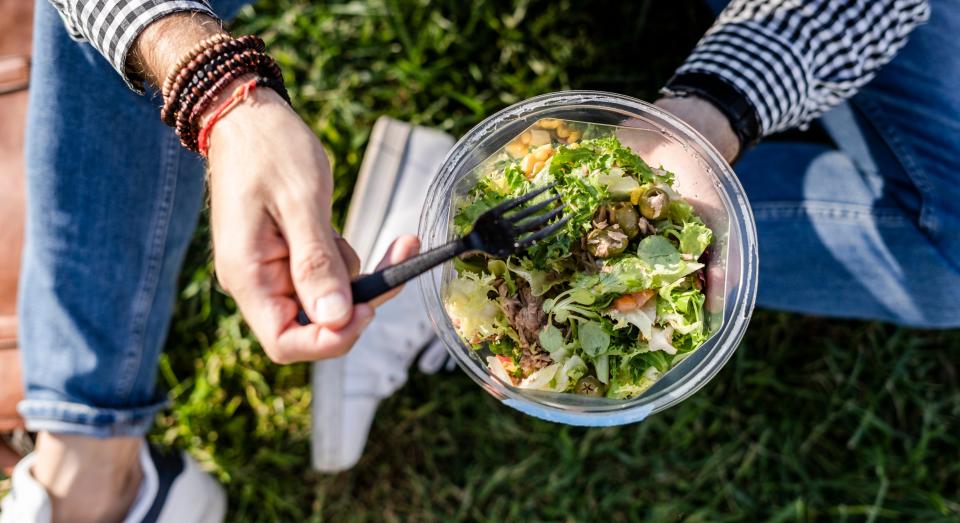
x: 726, y: 339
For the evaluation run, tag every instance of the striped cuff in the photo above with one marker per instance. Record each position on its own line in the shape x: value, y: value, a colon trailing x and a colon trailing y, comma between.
x: 767, y: 70
x: 111, y: 27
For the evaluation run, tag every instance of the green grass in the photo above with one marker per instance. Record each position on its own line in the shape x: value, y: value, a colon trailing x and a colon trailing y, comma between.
x: 811, y: 420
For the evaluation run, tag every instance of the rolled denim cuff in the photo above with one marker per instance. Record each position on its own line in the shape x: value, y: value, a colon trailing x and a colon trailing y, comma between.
x: 63, y: 417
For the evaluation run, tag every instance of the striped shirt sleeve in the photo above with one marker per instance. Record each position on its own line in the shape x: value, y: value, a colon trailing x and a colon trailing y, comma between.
x: 111, y: 26
x: 794, y: 59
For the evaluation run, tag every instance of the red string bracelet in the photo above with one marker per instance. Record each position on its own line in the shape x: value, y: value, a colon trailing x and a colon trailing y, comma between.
x: 239, y: 94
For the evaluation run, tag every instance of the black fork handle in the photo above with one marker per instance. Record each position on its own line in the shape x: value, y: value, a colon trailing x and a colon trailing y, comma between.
x: 369, y: 286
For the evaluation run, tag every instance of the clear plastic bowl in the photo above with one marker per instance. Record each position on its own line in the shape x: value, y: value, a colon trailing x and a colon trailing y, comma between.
x: 702, y: 177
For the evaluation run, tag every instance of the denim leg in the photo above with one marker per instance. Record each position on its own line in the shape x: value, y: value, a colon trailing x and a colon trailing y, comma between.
x: 834, y: 241
x: 913, y: 107
x: 112, y: 204
x: 871, y: 228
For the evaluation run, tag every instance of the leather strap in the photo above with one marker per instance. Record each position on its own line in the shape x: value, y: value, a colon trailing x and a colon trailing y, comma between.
x: 14, y: 74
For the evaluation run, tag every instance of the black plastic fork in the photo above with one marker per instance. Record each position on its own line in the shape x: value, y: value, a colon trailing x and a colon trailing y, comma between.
x: 494, y: 232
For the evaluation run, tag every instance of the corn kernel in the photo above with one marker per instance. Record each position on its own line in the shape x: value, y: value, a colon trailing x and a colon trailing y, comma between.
x: 516, y: 149
x: 527, y: 164
x: 543, y: 152
x: 538, y: 138
x: 549, y: 123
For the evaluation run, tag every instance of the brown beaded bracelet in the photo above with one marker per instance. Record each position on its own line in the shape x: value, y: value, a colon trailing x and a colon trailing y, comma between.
x: 234, y: 66
x: 186, y: 58
x: 187, y: 121
x: 203, y: 73
x: 208, y: 73
x: 264, y: 67
x: 198, y: 100
x: 179, y: 78
x: 218, y: 44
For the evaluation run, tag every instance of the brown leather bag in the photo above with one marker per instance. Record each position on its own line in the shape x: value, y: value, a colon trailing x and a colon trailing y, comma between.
x: 16, y: 26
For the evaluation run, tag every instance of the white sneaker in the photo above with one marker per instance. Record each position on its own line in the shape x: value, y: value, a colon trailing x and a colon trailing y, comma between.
x: 391, y: 189
x: 174, y: 490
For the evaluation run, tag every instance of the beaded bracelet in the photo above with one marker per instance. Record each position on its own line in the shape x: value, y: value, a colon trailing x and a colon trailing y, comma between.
x: 215, y: 44
x: 203, y: 73
x: 206, y: 76
x: 185, y: 59
x: 197, y: 101
x: 184, y: 74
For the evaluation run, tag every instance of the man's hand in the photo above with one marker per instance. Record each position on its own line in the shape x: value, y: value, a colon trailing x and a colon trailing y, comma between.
x: 707, y: 120
x: 275, y: 251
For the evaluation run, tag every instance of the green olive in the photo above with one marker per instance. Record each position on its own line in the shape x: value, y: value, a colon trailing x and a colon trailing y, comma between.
x: 625, y: 215
x: 654, y: 203
x: 607, y: 242
x: 589, y: 386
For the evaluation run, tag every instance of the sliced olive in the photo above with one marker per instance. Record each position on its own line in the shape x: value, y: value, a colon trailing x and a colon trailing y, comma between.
x: 625, y: 215
x: 653, y: 204
x: 589, y: 386
x: 607, y: 242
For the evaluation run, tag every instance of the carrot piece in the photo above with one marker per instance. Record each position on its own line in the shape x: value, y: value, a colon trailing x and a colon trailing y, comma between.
x: 625, y: 303
x: 643, y: 297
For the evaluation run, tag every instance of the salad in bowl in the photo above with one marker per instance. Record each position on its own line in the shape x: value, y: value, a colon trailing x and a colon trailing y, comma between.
x: 610, y: 303
x: 637, y: 301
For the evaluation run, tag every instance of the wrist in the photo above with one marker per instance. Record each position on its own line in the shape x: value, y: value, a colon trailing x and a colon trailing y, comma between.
x: 156, y: 50
x: 261, y: 116
x: 218, y: 74
x: 707, y: 119
x: 262, y: 108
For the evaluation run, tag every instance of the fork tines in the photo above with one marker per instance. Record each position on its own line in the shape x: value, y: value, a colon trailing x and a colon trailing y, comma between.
x: 531, y: 225
x: 543, y: 233
x: 516, y: 202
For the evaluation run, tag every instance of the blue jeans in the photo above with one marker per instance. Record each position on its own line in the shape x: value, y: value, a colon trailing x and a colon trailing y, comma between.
x: 867, y: 229
x: 113, y: 200
x: 870, y: 228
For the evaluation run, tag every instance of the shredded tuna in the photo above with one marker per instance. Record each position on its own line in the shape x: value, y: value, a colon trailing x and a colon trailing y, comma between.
x: 646, y: 228
x: 531, y: 318
x: 524, y: 312
x: 533, y: 359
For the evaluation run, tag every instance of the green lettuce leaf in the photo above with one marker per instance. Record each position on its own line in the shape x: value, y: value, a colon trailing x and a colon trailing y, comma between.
x: 499, y: 268
x: 694, y: 238
x: 475, y: 316
x: 656, y: 264
x: 681, y: 307
x: 540, y: 281
x: 593, y: 339
x: 680, y: 211
x: 625, y: 385
x: 551, y: 339
x: 570, y: 371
